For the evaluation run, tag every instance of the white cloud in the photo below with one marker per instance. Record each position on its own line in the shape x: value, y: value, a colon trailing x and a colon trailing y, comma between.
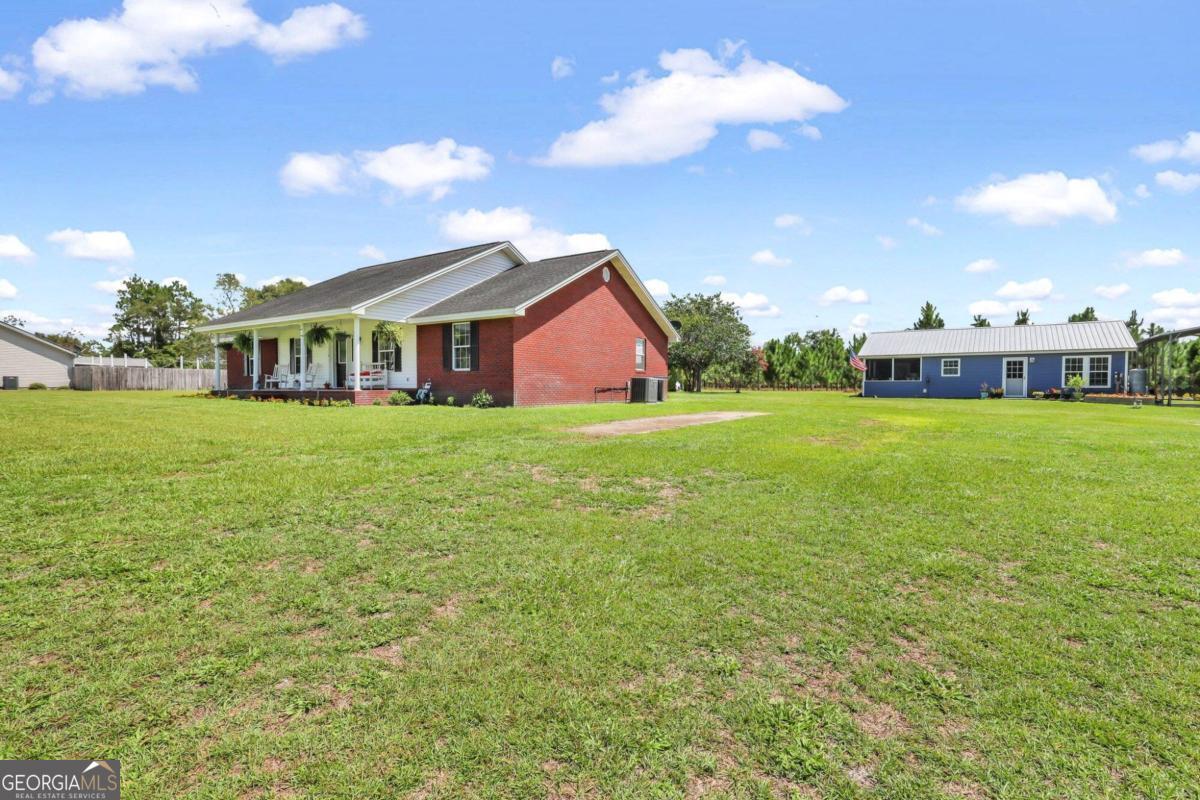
x: 758, y: 139
x: 793, y: 221
x: 1186, y: 147
x: 10, y: 83
x: 811, y: 132
x: 752, y: 304
x: 1157, y: 257
x: 769, y: 259
x: 7, y: 290
x: 886, y: 242
x: 658, y: 288
x: 109, y: 287
x: 278, y: 278
x: 518, y: 226
x: 174, y: 279
x: 417, y: 168
x: 1178, y: 182
x: 309, y: 30
x: 1142, y: 191
x: 859, y: 323
x: 412, y: 169
x: 714, y: 280
x: 93, y: 245
x: 306, y: 173
x: 562, y: 67
x: 1177, y: 297
x: 371, y: 252
x: 657, y: 119
x: 1044, y: 198
x: 1114, y: 291
x: 1038, y: 289
x: 150, y: 42
x: 31, y: 320
x: 695, y: 169
x: 844, y: 294
x: 611, y: 77
x: 11, y: 247
x: 982, y: 265
x: 924, y: 227
x: 994, y: 307
x: 930, y: 200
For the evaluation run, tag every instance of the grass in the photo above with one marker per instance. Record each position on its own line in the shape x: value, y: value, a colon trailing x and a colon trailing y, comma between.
x: 845, y: 598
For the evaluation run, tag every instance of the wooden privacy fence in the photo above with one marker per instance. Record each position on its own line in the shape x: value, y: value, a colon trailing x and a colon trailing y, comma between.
x: 100, y: 379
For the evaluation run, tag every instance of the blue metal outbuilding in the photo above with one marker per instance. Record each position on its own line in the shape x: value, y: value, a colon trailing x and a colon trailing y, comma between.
x: 1021, y: 359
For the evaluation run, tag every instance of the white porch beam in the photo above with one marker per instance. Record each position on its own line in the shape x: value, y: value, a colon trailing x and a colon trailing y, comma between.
x: 303, y: 357
x: 257, y: 362
x: 216, y: 363
x: 357, y: 352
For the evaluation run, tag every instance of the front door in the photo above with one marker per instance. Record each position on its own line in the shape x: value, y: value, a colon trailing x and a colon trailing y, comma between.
x: 343, y: 348
x: 1014, y: 377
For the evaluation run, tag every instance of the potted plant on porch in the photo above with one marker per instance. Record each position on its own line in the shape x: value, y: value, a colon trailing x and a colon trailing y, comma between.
x: 318, y: 334
x: 983, y: 391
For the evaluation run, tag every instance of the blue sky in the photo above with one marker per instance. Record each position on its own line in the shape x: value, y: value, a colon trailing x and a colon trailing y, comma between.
x: 824, y: 164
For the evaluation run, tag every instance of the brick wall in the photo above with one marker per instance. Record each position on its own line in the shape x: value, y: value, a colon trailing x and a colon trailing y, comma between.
x: 268, y: 352
x: 582, y: 337
x: 495, y: 371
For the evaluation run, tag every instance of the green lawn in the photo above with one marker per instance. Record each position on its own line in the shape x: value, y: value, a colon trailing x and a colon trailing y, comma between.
x: 845, y: 598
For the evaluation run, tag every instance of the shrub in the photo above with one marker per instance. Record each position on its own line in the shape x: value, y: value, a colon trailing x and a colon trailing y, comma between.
x: 341, y: 403
x: 1037, y: 395
x: 450, y: 400
x: 37, y: 385
x: 1076, y: 386
x: 399, y: 399
x: 482, y: 399
x: 376, y: 402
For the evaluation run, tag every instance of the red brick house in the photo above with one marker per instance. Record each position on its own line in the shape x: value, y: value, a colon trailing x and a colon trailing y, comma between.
x: 559, y: 330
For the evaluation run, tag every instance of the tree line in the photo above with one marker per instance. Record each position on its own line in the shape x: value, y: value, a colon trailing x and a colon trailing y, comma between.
x: 157, y: 321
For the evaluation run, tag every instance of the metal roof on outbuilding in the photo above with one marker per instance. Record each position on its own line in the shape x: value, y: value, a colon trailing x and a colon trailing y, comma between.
x: 1061, y: 337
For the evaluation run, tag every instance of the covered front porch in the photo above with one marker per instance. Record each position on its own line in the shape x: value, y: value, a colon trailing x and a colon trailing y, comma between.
x: 319, y: 356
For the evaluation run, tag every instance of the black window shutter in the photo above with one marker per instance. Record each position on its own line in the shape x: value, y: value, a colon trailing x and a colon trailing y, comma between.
x: 374, y: 346
x: 292, y: 355
x: 474, y: 347
x: 446, y: 345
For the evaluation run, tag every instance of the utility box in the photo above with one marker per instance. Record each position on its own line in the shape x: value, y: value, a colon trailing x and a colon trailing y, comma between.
x: 12, y: 382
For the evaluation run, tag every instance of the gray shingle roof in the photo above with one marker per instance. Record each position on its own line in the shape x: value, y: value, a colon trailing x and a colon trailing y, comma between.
x: 1057, y: 338
x: 357, y: 286
x: 513, y: 287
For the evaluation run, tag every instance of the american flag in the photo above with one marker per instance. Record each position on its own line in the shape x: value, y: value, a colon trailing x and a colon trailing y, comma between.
x: 857, y: 362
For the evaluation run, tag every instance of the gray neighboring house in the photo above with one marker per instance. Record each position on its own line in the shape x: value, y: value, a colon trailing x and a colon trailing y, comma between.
x: 31, y: 359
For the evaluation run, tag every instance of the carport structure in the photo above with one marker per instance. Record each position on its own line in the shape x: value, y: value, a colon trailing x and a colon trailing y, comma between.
x: 1168, y: 338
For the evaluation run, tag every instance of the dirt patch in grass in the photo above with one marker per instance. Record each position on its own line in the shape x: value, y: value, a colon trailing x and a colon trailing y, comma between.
x: 967, y: 789
x: 625, y: 427
x: 881, y: 721
x: 862, y: 776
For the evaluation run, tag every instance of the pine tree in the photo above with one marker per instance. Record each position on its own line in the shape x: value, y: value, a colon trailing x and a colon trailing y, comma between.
x: 930, y: 318
x: 981, y: 322
x: 1022, y: 317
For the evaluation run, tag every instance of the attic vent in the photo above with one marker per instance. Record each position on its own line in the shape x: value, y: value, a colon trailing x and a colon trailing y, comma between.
x: 606, y: 274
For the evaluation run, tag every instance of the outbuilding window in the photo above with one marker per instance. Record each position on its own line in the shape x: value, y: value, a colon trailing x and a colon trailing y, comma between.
x: 906, y: 369
x: 893, y: 369
x: 460, y: 335
x: 879, y: 369
x: 951, y: 367
x: 1093, y: 369
x: 639, y: 355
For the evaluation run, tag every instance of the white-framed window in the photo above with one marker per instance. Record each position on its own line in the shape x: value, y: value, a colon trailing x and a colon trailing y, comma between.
x: 248, y: 365
x: 894, y: 369
x: 951, y: 367
x: 387, y: 351
x: 1095, y: 370
x: 460, y: 344
x: 639, y: 355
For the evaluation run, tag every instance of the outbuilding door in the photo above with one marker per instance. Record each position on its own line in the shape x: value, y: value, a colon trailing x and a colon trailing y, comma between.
x: 1014, y: 377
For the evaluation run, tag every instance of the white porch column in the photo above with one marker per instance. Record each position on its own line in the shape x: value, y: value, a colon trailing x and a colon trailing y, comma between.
x: 303, y: 357
x: 216, y: 364
x: 257, y: 362
x: 357, y: 352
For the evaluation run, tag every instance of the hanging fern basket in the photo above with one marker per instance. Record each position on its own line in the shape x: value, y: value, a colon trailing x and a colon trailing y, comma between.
x: 318, y: 335
x: 244, y: 343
